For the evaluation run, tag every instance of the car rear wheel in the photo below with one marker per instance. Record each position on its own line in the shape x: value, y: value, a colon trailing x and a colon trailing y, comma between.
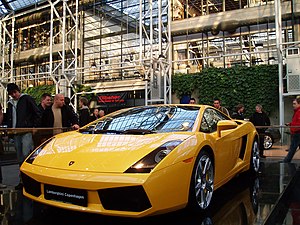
x: 202, y: 182
x: 268, y: 141
x: 254, y: 161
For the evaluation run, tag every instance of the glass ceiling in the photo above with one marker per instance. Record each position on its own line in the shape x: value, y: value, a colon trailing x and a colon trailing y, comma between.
x: 7, y: 6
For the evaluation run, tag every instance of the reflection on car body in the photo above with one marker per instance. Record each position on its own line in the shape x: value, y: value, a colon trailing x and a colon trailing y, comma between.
x: 142, y: 161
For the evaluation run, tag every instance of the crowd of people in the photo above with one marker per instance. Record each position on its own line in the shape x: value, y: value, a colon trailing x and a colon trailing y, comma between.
x: 23, y: 114
x: 259, y: 118
x: 261, y: 121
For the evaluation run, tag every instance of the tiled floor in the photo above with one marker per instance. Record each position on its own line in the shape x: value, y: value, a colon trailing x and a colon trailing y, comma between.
x: 278, y: 151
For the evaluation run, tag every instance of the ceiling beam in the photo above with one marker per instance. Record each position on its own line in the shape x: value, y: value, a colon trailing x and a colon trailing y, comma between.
x: 6, y: 5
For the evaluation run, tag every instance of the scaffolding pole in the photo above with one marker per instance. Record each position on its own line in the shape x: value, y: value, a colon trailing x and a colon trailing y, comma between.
x: 155, y: 50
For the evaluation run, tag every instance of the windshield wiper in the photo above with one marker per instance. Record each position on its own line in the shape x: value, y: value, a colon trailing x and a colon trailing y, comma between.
x: 138, y: 131
x: 129, y: 131
x: 95, y: 131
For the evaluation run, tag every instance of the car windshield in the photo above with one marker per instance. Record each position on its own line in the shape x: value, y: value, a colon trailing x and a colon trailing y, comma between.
x: 146, y: 120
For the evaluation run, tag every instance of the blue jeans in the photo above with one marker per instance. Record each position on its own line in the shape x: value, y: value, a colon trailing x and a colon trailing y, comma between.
x: 24, y: 145
x: 293, y: 147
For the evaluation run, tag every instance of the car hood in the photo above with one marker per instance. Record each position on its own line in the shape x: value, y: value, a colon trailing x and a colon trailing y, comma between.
x: 100, y: 152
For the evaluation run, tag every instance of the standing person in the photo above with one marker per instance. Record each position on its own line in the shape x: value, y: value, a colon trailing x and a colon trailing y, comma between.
x: 59, y: 115
x: 101, y: 113
x: 68, y: 104
x: 46, y: 101
x: 295, y: 131
x: 192, y: 101
x: 84, y: 112
x: 95, y: 115
x: 22, y: 112
x: 1, y: 121
x: 260, y: 118
x: 40, y: 136
x: 217, y: 105
x: 2, y: 147
x: 239, y: 112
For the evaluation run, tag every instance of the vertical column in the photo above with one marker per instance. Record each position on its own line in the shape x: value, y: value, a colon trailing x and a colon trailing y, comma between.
x: 64, y: 71
x: 156, y: 55
x: 278, y: 25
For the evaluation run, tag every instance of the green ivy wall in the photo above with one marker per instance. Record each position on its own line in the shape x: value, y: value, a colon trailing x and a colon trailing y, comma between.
x: 246, y: 85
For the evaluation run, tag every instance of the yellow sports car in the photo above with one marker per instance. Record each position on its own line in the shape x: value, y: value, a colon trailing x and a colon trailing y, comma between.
x: 142, y: 161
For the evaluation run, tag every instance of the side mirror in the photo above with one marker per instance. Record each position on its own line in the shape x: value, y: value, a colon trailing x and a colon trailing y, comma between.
x: 225, y: 125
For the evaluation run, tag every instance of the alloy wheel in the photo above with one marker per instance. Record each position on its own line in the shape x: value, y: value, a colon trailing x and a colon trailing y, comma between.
x: 204, y: 181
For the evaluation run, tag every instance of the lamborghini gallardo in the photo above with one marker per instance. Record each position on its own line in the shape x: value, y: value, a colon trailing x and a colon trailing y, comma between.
x: 142, y: 161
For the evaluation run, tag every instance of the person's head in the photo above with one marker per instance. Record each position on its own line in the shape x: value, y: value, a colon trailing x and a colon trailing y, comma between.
x: 96, y: 112
x: 13, y: 91
x: 101, y: 113
x: 59, y: 101
x: 217, y: 103
x: 258, y: 108
x: 240, y: 108
x: 192, y: 101
x: 46, y: 100
x: 83, y: 102
x: 67, y: 100
x: 296, y: 103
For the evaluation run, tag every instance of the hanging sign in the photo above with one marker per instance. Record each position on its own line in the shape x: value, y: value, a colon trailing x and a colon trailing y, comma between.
x: 116, y: 99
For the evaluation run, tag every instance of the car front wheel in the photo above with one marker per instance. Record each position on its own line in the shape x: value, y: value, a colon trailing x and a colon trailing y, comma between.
x: 202, y: 182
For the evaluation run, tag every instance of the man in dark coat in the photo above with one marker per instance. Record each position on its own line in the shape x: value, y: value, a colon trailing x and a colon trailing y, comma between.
x: 239, y: 112
x: 22, y: 112
x: 59, y: 116
x: 46, y: 102
x: 260, y: 118
x: 84, y: 112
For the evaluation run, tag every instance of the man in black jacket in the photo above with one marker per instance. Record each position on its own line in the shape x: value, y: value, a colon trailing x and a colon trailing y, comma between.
x: 84, y: 112
x: 22, y: 112
x: 260, y: 118
x: 59, y: 116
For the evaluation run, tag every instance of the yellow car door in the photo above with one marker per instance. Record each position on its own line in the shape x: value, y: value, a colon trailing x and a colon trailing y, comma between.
x: 226, y: 144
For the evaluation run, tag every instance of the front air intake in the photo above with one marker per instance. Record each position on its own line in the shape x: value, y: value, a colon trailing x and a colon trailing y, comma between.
x: 31, y: 186
x: 132, y: 199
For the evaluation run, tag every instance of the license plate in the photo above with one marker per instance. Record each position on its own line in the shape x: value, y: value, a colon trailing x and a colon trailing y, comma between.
x: 67, y: 195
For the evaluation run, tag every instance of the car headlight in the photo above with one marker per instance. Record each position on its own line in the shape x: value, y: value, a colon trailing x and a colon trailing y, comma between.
x: 146, y: 164
x: 37, y: 151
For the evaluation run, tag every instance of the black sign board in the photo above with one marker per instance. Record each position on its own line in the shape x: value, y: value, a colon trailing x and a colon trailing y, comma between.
x: 68, y: 195
x: 112, y: 99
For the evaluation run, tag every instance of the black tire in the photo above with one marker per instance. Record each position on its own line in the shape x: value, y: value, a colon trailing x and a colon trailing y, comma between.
x: 268, y: 141
x: 254, y: 160
x: 202, y: 182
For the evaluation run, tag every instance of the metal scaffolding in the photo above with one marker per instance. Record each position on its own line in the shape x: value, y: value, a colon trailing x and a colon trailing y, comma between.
x: 155, y: 29
x: 58, y: 60
x: 7, y: 24
x: 62, y: 66
x: 64, y: 73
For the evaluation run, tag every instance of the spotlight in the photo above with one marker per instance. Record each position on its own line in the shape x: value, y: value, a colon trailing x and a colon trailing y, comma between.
x: 93, y: 65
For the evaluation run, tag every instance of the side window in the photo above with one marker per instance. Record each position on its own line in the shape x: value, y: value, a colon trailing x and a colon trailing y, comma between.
x: 210, y: 119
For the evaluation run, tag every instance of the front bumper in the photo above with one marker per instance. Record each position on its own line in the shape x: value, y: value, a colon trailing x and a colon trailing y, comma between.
x: 126, y: 194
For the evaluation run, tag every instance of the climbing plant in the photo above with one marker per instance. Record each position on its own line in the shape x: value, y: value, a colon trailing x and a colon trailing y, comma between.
x: 246, y: 85
x: 183, y: 84
x: 38, y: 91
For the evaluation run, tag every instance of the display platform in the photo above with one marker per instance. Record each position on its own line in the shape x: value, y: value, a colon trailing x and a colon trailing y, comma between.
x: 247, y: 199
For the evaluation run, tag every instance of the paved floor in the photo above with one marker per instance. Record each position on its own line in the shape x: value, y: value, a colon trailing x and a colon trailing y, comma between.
x: 279, y: 151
